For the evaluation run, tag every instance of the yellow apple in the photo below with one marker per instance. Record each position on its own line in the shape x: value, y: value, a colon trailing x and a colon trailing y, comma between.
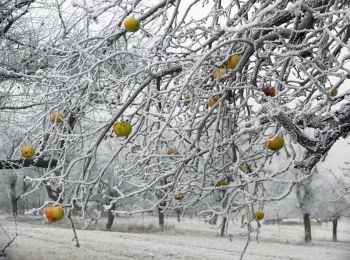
x: 275, y: 142
x: 54, y: 214
x: 259, y: 214
x: 334, y: 92
x: 28, y: 151
x: 223, y: 183
x: 132, y: 24
x: 219, y: 74
x: 180, y: 196
x: 172, y: 151
x: 233, y: 61
x: 245, y: 167
x: 57, y: 117
x: 187, y: 100
x: 212, y: 101
x: 122, y: 128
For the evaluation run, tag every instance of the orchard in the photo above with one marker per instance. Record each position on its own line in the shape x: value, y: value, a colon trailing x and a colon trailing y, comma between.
x: 169, y: 105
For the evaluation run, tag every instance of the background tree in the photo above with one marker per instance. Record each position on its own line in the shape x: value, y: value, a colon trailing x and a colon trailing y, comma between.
x: 332, y: 201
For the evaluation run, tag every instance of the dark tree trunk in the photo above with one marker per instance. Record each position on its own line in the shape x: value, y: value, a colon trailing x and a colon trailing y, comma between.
x: 14, y: 201
x: 335, y: 224
x: 307, y: 227
x: 110, y: 217
x: 161, y: 215
x: 13, y: 197
x: 223, y: 226
x: 178, y: 214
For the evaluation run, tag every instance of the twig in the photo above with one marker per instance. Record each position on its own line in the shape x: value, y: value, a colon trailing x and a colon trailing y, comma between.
x: 74, y: 231
x: 8, y: 244
x: 5, y: 232
x: 245, y: 247
x: 249, y: 227
x: 11, y: 240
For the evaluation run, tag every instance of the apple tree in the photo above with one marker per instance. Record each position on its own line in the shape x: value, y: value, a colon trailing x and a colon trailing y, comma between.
x: 225, y: 98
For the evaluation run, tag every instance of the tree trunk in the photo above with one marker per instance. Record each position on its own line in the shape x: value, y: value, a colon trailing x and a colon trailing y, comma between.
x: 304, y: 195
x: 307, y: 227
x: 178, y: 214
x: 14, y: 201
x: 335, y: 224
x: 161, y: 215
x: 110, y: 217
x: 13, y: 197
x: 223, y: 226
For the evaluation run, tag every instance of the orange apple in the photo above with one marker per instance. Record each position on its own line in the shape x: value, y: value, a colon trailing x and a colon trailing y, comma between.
x: 132, y: 24
x: 122, y: 128
x: 271, y: 91
x: 54, y: 214
x: 275, y: 142
x: 28, y: 151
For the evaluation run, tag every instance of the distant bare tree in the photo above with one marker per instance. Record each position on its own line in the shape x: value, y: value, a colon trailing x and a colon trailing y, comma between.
x: 333, y: 200
x: 17, y: 186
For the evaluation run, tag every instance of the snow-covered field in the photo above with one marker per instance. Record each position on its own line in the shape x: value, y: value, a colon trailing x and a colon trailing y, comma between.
x: 192, y: 239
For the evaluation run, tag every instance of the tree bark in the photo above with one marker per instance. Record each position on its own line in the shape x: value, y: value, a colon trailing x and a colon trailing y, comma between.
x: 335, y: 224
x: 307, y: 227
x: 110, y: 217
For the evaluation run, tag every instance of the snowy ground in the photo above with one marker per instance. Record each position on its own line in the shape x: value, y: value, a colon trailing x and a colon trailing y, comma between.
x: 192, y: 239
